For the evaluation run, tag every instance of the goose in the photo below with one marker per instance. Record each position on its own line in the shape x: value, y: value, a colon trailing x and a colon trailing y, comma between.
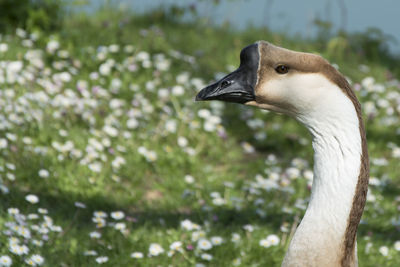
x: 306, y: 87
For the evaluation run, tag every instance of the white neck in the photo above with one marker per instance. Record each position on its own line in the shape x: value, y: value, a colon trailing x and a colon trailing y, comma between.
x: 334, y: 125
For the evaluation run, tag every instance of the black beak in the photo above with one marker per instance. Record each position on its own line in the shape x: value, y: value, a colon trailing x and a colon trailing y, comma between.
x: 238, y: 86
x: 231, y: 88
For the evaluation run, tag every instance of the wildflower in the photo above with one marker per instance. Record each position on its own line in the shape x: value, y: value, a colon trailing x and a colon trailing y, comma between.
x: 384, y: 250
x: 100, y: 222
x: 235, y: 237
x: 218, y: 201
x: 104, y: 69
x: 204, y: 244
x: 204, y: 113
x: 3, y: 47
x: 117, y: 162
x: 151, y: 156
x: 209, y: 127
x: 248, y: 148
x: 177, y: 246
x: 42, y: 211
x: 13, y: 211
x: 19, y: 250
x: 206, y: 256
x: 5, y: 260
x: 95, y: 167
x: 95, y: 234
x: 3, y: 143
x: 24, y: 232
x: 171, y: 253
x: 11, y: 176
x: 271, y: 240
x: 52, y: 46
x: 187, y: 225
x: 120, y: 226
x: 128, y: 49
x: 264, y: 243
x: 397, y: 245
x: 237, y: 262
x: 114, y: 48
x: 111, y: 131
x: 90, y: 253
x: 155, y: 249
x: 196, y: 235
x: 132, y: 123
x: 80, y: 205
x: 182, y: 141
x: 248, y: 228
x: 137, y: 255
x: 44, y: 173
x: 32, y: 199
x: 216, y: 240
x: 171, y: 126
x: 189, y: 179
x: 13, y: 240
x: 36, y: 242
x: 178, y: 90
x: 102, y: 259
x: 35, y: 260
x: 183, y: 78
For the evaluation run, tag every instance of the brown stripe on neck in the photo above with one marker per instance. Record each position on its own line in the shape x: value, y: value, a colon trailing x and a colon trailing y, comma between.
x: 360, y: 196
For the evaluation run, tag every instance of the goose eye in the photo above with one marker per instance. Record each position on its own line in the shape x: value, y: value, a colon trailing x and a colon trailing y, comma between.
x: 282, y: 69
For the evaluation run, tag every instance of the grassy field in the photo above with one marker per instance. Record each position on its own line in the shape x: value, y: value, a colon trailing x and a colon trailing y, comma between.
x: 106, y: 158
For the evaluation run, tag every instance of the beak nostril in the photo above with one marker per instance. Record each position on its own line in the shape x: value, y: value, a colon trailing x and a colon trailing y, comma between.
x: 225, y: 84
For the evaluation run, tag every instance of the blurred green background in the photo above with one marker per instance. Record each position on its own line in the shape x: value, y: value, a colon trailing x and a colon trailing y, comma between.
x: 106, y: 158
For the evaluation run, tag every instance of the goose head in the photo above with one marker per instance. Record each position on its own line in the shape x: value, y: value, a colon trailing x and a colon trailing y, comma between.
x: 281, y: 80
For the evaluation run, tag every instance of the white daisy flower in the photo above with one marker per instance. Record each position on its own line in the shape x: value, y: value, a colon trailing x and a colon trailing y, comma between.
x: 204, y: 244
x: 94, y: 235
x: 44, y: 173
x: 206, y: 257
x: 37, y: 259
x: 3, y: 47
x: 235, y: 237
x: 19, y: 250
x: 132, y: 123
x: 117, y: 215
x: 13, y: 211
x: 264, y: 243
x: 102, y: 259
x: 137, y: 255
x: 189, y: 179
x: 5, y: 261
x: 216, y: 240
x: 177, y: 246
x: 90, y: 253
x: 384, y: 250
x: 178, y: 90
x: 33, y: 199
x: 182, y: 141
x: 120, y: 226
x: 3, y: 143
x: 155, y: 249
x: 397, y: 245
x: 273, y: 239
x: 187, y: 225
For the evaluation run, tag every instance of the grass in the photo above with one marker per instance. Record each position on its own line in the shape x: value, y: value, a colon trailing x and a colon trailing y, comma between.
x: 130, y: 138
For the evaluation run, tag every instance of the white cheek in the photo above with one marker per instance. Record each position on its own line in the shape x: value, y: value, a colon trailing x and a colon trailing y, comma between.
x: 301, y: 92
